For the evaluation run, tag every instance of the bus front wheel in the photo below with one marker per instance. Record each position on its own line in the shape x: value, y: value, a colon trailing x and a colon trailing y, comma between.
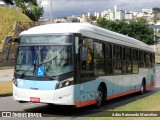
x: 99, y: 97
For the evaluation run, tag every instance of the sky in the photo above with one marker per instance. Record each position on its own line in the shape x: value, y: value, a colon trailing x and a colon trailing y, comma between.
x: 62, y: 8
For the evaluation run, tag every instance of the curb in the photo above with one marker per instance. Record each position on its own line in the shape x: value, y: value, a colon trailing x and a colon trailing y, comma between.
x: 6, y: 95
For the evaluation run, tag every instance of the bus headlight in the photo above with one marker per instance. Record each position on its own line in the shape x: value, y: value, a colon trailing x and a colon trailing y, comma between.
x: 64, y: 83
x: 14, y: 80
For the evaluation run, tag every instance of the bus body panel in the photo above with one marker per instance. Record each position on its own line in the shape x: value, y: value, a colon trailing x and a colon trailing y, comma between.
x: 63, y: 96
x: 36, y: 84
x: 116, y: 86
x: 85, y: 93
x: 20, y: 94
x: 87, y: 30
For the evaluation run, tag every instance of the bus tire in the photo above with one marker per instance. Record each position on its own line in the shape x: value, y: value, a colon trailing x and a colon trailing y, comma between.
x: 99, y: 97
x: 51, y: 105
x: 142, y: 87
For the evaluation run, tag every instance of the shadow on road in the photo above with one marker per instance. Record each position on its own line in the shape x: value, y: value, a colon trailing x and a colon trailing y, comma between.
x: 70, y: 111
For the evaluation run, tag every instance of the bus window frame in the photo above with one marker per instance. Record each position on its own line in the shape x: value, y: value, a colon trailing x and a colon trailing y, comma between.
x: 122, y: 47
x: 136, y: 60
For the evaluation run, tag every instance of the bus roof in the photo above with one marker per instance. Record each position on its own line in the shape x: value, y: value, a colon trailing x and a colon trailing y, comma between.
x: 87, y: 30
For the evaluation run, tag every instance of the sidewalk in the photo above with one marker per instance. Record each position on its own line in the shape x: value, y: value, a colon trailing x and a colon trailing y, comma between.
x: 6, y: 75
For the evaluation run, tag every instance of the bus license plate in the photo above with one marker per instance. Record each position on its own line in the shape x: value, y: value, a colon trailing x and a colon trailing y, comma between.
x: 34, y: 99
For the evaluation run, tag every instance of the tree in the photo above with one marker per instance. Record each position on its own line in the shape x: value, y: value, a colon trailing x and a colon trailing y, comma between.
x: 8, y: 2
x: 75, y: 20
x: 156, y: 10
x: 30, y: 8
x: 142, y: 31
x: 138, y: 29
x: 93, y: 18
x: 155, y: 18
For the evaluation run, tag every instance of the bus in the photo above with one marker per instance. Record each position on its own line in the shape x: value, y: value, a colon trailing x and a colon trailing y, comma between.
x: 80, y: 64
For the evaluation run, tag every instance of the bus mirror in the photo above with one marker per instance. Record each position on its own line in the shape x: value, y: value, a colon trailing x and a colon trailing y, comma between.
x: 15, y: 40
x: 84, y: 54
x: 10, y: 39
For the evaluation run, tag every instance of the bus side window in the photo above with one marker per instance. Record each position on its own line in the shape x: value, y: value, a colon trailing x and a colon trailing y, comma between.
x: 135, y: 68
x: 86, y: 58
x: 109, y: 59
x: 141, y: 59
x: 147, y: 60
x: 152, y: 59
x: 99, y: 59
x: 127, y: 61
x: 117, y: 56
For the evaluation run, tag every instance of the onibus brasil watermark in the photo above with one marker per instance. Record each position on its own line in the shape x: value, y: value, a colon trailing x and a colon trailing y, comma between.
x: 19, y: 114
x: 129, y: 114
x: 135, y: 114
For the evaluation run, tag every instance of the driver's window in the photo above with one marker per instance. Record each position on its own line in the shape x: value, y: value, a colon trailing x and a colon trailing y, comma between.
x: 86, y: 55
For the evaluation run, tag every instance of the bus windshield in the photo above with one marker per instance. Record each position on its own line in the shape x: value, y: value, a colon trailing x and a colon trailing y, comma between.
x: 56, y: 59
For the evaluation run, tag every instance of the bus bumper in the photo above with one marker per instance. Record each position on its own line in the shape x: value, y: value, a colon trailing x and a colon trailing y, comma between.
x: 63, y: 96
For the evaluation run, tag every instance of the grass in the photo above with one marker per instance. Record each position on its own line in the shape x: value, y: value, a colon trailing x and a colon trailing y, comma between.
x: 158, y: 61
x: 6, y: 67
x: 5, y: 88
x: 150, y: 103
x: 8, y: 18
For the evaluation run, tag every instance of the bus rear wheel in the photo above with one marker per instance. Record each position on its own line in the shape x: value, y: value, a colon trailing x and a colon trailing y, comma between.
x: 142, y: 88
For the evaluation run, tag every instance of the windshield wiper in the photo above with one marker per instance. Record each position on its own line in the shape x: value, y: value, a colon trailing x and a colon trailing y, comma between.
x: 51, y: 59
x: 48, y: 76
x: 23, y: 73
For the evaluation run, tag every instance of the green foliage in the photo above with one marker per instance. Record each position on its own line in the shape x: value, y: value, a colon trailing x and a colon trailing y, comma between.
x: 34, y: 13
x: 137, y: 29
x: 156, y: 10
x: 31, y: 9
x: 155, y: 18
x: 93, y: 18
x: 75, y: 20
x: 8, y: 2
x: 149, y: 103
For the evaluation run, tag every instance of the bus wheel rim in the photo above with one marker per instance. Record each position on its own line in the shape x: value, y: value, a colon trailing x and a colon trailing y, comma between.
x: 142, y: 88
x: 99, y: 98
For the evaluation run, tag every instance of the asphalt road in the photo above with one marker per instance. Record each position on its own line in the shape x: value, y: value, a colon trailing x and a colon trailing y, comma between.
x: 6, y: 75
x: 69, y: 112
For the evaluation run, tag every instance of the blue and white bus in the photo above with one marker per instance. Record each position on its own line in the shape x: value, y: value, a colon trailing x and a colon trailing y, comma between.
x: 80, y: 64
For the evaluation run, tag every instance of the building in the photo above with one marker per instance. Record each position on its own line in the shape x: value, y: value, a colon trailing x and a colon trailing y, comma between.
x: 120, y: 15
x: 83, y: 15
x: 89, y: 14
x: 59, y: 20
x: 97, y: 14
x: 111, y: 15
x: 116, y: 14
x: 84, y: 20
x: 139, y: 14
x: 147, y: 10
x: 129, y: 16
x: 102, y: 14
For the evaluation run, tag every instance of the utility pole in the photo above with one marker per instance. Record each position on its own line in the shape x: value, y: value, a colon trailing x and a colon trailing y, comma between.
x: 51, y: 11
x: 155, y: 39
